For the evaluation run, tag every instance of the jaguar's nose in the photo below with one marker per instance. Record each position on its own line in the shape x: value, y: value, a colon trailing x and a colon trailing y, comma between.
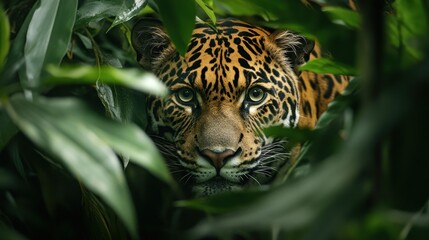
x: 218, y: 159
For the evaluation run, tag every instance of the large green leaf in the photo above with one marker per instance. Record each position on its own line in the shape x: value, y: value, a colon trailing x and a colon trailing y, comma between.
x: 129, y: 12
x: 131, y: 141
x: 326, y: 66
x: 48, y: 36
x: 132, y: 78
x: 123, y: 105
x: 56, y: 126
x: 95, y: 10
x: 414, y: 16
x: 209, y: 12
x: 4, y: 37
x: 15, y: 60
x: 179, y: 20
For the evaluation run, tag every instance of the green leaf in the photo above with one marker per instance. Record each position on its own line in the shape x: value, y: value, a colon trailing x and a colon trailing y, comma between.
x: 15, y: 60
x: 344, y: 16
x: 327, y: 66
x: 123, y: 105
x: 207, y: 10
x: 95, y: 10
x: 293, y: 134
x: 48, y: 37
x: 64, y: 128
x: 236, y: 8
x: 413, y: 22
x: 414, y: 15
x: 116, y: 102
x: 132, y: 78
x: 179, y: 20
x: 4, y: 37
x: 128, y: 12
x: 131, y: 141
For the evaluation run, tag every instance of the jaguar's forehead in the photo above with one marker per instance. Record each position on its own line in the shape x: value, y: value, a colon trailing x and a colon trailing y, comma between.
x: 226, y: 59
x: 229, y: 43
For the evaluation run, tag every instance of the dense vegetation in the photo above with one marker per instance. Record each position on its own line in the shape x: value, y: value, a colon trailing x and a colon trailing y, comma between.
x: 72, y: 118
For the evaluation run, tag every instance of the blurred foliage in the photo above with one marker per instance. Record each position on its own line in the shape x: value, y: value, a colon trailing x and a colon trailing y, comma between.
x: 75, y: 162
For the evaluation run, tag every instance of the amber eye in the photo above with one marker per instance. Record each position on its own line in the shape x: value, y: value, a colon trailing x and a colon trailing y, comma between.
x: 185, y: 95
x: 256, y: 95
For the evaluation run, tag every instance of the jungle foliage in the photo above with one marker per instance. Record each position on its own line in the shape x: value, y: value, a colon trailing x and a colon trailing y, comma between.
x: 75, y: 162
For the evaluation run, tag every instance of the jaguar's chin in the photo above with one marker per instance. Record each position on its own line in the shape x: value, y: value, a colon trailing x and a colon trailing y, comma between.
x: 214, y: 186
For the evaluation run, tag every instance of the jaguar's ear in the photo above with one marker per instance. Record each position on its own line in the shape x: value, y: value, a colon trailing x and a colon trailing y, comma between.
x: 294, y: 48
x: 151, y: 42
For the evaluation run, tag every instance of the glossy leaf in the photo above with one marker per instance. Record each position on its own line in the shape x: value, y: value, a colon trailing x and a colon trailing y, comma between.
x: 15, y: 60
x: 4, y: 37
x: 131, y: 141
x: 57, y: 126
x: 95, y: 10
x: 128, y: 12
x: 111, y: 100
x: 203, y: 5
x: 132, y: 78
x: 48, y: 36
x: 326, y: 66
x: 119, y: 105
x: 179, y: 20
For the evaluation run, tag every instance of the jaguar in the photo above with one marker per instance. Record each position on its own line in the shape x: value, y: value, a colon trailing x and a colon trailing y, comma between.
x: 234, y: 80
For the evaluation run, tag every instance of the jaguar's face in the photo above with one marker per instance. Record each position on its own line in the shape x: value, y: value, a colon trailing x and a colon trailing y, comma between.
x: 231, y: 83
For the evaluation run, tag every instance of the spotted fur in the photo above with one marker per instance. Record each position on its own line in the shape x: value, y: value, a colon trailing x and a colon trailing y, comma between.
x: 234, y: 80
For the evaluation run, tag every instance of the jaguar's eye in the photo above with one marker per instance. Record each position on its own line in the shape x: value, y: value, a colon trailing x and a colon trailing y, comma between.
x: 185, y: 95
x: 256, y: 95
